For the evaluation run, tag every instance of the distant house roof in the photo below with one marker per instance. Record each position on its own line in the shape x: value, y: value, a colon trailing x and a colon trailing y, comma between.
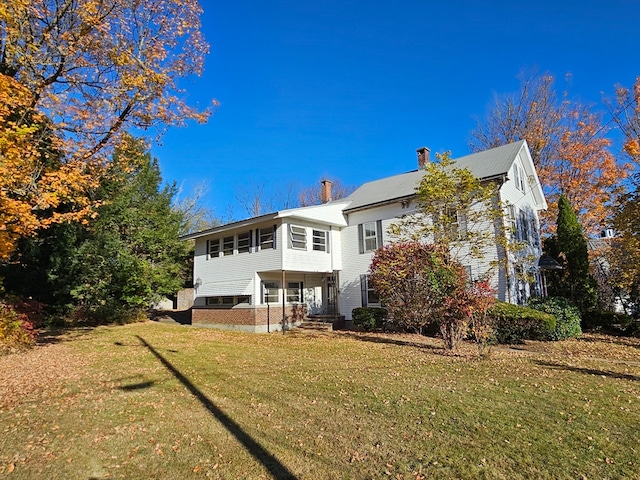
x: 491, y: 163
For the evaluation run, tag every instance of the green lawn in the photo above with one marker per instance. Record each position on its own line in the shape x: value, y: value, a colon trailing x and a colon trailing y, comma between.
x: 170, y: 402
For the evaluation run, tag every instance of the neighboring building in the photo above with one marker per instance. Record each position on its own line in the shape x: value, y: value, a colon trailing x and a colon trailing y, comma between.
x: 314, y: 260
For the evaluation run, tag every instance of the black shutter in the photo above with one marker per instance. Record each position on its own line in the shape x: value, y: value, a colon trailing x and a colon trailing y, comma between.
x: 250, y: 241
x: 207, y: 257
x: 328, y: 240
x: 275, y: 229
x: 261, y: 293
x: 379, y: 232
x: 301, y: 292
x: 363, y: 289
x: 360, y: 239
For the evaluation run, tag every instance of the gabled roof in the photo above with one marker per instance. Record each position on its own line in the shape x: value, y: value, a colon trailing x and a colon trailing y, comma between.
x: 488, y: 164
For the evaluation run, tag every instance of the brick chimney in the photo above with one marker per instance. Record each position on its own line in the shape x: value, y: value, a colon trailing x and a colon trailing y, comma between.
x: 325, y: 193
x: 423, y: 157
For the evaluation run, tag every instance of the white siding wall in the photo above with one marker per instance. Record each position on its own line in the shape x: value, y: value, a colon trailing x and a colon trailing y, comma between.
x: 236, y: 268
x: 522, y: 201
x: 308, y: 260
x: 354, y: 263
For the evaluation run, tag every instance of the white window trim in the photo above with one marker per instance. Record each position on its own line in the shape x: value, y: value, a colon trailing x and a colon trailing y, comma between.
x: 297, y: 237
x: 321, y: 234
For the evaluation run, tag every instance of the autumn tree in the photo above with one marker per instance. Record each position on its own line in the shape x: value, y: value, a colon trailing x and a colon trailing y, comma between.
x: 455, y: 210
x: 625, y: 256
x: 420, y: 285
x: 625, y: 111
x: 99, y: 67
x: 37, y: 189
x: 74, y: 74
x: 125, y: 257
x: 568, y: 145
x: 569, y: 247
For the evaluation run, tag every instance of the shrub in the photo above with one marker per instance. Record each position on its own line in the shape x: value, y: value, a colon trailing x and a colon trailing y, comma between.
x: 567, y: 316
x: 16, y: 331
x: 369, y: 318
x: 515, y: 323
x: 607, y: 321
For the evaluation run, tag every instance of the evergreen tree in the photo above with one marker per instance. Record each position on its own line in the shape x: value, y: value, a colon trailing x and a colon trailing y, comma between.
x: 569, y: 247
x: 114, y: 266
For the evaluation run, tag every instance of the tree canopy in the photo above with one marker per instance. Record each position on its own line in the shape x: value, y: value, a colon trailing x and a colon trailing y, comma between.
x: 568, y: 145
x: 455, y: 210
x: 99, y: 67
x: 125, y: 257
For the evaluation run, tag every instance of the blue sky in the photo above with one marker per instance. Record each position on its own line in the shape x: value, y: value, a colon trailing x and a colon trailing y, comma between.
x: 349, y: 88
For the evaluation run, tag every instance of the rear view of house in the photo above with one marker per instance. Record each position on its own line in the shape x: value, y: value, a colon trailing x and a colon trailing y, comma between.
x: 273, y: 270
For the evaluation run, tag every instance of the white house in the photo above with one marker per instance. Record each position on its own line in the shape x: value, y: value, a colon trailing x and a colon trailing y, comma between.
x: 273, y: 270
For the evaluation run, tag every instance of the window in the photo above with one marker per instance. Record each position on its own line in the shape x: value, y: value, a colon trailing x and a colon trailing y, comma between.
x: 270, y: 292
x: 298, y: 237
x: 266, y: 238
x: 369, y: 295
x: 227, y: 246
x: 460, y: 224
x: 214, y: 248
x: 294, y: 292
x: 320, y: 240
x: 370, y: 236
x: 512, y: 221
x: 244, y: 242
x: 523, y: 227
x: 227, y: 301
x: 518, y: 177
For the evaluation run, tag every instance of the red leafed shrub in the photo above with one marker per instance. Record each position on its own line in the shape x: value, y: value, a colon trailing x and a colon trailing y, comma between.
x: 16, y: 331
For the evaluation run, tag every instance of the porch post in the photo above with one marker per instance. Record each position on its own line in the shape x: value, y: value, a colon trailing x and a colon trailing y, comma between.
x: 284, y: 299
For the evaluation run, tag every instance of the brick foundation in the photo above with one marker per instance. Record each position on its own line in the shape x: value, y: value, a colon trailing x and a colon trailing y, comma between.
x: 258, y: 318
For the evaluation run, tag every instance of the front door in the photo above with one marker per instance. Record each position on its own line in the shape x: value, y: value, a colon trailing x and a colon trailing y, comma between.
x: 331, y: 295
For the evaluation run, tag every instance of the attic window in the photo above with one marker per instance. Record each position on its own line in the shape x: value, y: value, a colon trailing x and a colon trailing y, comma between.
x: 518, y: 177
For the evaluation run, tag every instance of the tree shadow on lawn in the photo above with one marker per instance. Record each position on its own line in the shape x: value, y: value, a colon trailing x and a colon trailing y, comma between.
x: 50, y: 336
x: 387, y: 338
x: 589, y: 371
x: 183, y: 317
x: 610, y: 338
x: 271, y: 463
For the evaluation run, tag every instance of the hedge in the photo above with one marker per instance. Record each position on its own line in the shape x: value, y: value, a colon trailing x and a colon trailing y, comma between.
x: 515, y: 323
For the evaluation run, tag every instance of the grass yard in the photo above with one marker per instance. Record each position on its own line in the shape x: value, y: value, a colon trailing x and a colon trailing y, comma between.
x: 169, y: 402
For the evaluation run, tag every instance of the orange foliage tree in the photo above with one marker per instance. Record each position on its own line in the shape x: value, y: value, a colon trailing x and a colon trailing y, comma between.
x: 76, y: 74
x: 568, y: 144
x: 33, y: 182
x: 626, y: 113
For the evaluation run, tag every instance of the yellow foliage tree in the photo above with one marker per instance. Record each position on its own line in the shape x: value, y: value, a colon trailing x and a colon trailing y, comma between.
x: 34, y: 184
x: 75, y: 75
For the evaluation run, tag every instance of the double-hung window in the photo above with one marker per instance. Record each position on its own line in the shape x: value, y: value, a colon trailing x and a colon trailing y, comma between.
x: 320, y: 240
x: 294, y: 292
x: 227, y: 246
x: 298, y: 237
x: 370, y: 236
x: 270, y: 292
x: 369, y: 295
x: 459, y: 218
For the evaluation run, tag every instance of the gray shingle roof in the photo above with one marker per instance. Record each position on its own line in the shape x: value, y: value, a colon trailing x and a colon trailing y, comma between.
x: 487, y: 164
